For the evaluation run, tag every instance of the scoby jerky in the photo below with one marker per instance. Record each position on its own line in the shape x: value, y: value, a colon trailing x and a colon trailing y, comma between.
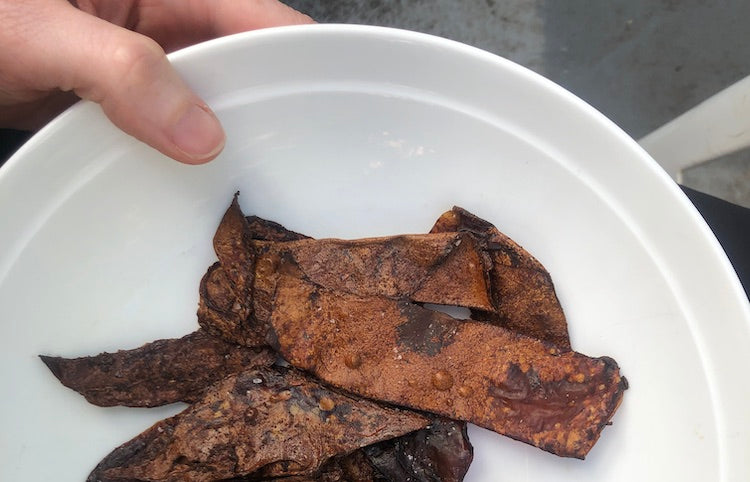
x: 301, y: 309
x: 440, y: 452
x: 269, y: 278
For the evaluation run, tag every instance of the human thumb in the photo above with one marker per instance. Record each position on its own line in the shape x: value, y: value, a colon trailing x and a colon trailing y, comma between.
x: 138, y: 89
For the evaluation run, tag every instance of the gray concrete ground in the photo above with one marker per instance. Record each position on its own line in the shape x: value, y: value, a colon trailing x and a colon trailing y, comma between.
x: 640, y: 62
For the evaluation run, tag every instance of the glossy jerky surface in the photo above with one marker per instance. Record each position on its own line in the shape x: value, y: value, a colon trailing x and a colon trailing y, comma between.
x: 441, y: 452
x: 267, y: 422
x: 158, y: 373
x: 521, y: 289
x: 414, y: 357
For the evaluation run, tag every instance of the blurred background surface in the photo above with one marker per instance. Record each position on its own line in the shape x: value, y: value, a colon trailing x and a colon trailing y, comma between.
x: 640, y: 62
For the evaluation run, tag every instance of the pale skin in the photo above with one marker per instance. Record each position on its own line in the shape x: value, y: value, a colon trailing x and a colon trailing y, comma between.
x: 113, y: 52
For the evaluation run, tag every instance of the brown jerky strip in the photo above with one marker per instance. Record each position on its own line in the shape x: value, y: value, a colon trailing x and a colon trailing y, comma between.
x: 404, y: 354
x: 278, y: 421
x: 158, y: 373
x: 407, y: 266
x: 522, y: 290
x: 439, y: 268
x: 232, y: 244
x: 441, y: 452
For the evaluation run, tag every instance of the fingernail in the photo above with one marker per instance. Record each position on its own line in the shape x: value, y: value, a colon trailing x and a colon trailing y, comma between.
x: 198, y: 134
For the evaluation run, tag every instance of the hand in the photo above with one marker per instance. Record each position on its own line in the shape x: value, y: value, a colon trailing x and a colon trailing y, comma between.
x: 113, y: 52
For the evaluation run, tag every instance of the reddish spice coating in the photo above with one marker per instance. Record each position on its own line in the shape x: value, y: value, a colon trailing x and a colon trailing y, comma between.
x: 441, y: 268
x: 514, y: 385
x: 416, y: 330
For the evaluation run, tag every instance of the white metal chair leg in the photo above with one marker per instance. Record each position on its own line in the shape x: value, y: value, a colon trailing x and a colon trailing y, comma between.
x: 717, y: 126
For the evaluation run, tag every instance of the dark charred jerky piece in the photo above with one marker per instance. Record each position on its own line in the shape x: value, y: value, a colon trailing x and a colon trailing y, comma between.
x: 441, y: 452
x: 401, y: 353
x: 158, y: 373
x: 521, y: 289
x: 273, y: 422
x: 222, y: 313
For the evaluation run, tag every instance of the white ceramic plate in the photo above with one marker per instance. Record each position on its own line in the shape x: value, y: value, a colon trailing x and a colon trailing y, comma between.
x: 353, y: 131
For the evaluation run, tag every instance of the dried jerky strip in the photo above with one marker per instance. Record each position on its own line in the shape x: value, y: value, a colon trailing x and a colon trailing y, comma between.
x: 522, y: 290
x: 439, y: 268
x: 273, y: 422
x: 401, y: 353
x: 519, y: 287
x: 407, y: 266
x: 158, y: 373
x: 232, y: 242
